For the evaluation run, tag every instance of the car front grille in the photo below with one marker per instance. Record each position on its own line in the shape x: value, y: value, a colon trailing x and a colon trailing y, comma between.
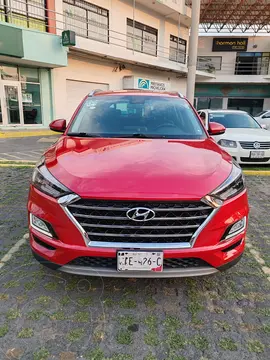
x: 250, y: 145
x: 249, y: 160
x: 107, y: 221
x: 111, y: 263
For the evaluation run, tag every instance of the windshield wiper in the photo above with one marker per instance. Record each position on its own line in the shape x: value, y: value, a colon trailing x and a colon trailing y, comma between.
x: 83, y: 134
x: 150, y: 136
x: 139, y: 135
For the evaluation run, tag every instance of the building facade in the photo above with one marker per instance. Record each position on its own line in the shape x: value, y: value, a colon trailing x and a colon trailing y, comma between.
x: 238, y: 73
x: 29, y: 50
x: 120, y: 44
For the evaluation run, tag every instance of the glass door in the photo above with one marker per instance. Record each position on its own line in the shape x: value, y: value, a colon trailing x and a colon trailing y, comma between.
x: 11, y: 103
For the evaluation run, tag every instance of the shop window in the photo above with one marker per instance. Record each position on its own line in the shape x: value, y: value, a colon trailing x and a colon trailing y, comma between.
x: 252, y: 106
x: 31, y: 103
x: 29, y: 75
x: 86, y: 19
x: 178, y: 49
x: 209, y: 103
x: 249, y: 63
x: 25, y: 13
x: 145, y: 38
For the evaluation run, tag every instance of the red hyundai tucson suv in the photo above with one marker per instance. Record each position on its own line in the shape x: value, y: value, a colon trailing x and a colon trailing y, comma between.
x: 136, y: 187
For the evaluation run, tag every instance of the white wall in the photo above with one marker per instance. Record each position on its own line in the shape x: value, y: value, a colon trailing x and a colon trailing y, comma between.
x: 266, y: 104
x: 119, y: 11
x: 100, y: 71
x: 226, y: 74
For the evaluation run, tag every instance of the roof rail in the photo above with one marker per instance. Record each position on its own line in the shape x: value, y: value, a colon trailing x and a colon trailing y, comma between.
x: 93, y: 92
x: 180, y: 94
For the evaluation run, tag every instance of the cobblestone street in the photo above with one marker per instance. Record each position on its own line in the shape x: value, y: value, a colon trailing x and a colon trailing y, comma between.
x: 51, y: 315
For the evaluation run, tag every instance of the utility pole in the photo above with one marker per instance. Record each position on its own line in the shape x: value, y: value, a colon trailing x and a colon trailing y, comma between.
x: 193, y: 49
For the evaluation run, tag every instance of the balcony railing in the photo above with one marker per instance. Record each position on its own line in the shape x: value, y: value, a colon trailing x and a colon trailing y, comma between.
x: 22, y: 13
x: 246, y: 68
x: 40, y: 18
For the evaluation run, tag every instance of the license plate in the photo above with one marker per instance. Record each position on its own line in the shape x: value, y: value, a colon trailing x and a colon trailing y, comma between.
x: 257, y: 154
x: 139, y: 261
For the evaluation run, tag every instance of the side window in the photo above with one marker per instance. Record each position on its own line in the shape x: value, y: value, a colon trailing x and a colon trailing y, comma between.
x: 203, y: 117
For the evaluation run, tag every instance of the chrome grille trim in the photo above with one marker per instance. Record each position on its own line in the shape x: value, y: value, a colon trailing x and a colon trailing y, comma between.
x: 126, y: 219
x: 140, y: 235
x: 145, y: 226
x: 130, y: 239
x: 248, y: 145
x: 109, y: 208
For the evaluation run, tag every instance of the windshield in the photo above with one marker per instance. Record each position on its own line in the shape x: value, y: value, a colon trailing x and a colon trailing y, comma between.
x: 234, y: 120
x: 260, y: 113
x: 137, y: 116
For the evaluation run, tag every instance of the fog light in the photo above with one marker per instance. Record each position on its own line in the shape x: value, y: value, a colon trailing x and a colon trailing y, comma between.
x: 239, y: 225
x: 40, y: 225
x: 235, y: 229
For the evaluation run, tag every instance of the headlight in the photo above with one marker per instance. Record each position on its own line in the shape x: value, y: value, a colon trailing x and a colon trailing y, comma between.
x: 231, y: 187
x: 43, y: 180
x: 227, y: 143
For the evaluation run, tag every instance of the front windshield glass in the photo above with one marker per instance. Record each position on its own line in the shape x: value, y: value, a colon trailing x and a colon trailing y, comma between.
x: 234, y: 120
x: 137, y: 116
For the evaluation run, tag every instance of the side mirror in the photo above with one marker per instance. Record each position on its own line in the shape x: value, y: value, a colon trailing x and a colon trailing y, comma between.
x: 216, y: 129
x: 59, y: 125
x: 264, y: 126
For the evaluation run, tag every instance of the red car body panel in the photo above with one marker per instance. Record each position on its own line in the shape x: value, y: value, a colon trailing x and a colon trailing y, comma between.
x: 137, y: 169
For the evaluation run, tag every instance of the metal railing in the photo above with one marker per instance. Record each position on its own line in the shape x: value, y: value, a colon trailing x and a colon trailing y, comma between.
x: 237, y: 68
x: 40, y: 18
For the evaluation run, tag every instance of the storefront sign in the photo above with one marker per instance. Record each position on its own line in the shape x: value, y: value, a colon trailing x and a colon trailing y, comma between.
x: 68, y: 38
x: 230, y: 44
x: 151, y: 85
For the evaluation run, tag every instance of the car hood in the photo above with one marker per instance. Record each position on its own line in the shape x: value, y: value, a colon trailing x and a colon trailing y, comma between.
x: 246, y: 135
x: 138, y: 168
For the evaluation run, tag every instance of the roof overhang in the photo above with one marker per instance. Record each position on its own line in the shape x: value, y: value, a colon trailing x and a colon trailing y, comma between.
x: 234, y: 15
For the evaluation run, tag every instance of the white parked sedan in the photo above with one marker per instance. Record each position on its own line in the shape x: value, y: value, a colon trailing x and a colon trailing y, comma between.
x: 263, y: 118
x: 245, y: 140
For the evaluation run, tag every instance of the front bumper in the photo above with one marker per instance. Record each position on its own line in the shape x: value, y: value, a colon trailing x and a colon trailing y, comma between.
x: 242, y: 156
x: 108, y: 272
x: 70, y: 244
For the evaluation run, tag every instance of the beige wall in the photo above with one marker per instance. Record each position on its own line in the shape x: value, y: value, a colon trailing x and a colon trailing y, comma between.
x: 119, y: 11
x: 101, y: 72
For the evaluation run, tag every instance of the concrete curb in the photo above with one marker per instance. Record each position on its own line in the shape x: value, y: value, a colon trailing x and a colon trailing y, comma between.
x: 19, y: 162
x: 24, y: 133
x: 17, y: 165
x: 257, y: 172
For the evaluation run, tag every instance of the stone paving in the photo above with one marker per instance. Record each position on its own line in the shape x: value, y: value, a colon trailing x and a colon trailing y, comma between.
x: 50, y: 315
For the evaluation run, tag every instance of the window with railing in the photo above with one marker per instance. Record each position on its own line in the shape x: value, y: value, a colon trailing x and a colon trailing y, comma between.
x: 209, y: 63
x: 178, y: 48
x: 25, y: 13
x: 142, y: 38
x: 86, y: 19
x: 249, y: 63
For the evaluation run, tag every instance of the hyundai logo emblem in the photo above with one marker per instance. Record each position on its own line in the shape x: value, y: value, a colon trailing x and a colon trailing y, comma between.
x: 256, y: 145
x: 140, y: 214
